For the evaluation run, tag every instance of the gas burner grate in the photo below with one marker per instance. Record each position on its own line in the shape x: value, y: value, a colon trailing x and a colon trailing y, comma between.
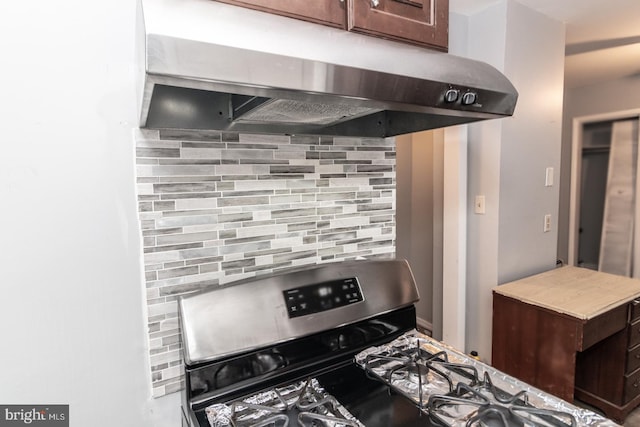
x: 301, y: 404
x: 417, y: 373
x: 472, y: 407
x: 454, y: 394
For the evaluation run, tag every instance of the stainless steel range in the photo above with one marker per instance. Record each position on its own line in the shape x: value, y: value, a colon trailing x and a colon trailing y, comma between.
x: 336, y: 345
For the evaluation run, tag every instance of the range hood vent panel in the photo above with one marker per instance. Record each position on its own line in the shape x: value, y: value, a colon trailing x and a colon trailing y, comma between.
x: 210, y: 85
x: 300, y: 112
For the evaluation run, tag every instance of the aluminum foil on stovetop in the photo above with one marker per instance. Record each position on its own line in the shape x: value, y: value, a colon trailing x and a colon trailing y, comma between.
x: 296, y: 404
x: 434, y: 384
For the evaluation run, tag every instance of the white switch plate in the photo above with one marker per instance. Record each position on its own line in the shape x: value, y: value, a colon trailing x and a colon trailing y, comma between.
x: 479, y: 205
x: 547, y: 223
x: 548, y: 177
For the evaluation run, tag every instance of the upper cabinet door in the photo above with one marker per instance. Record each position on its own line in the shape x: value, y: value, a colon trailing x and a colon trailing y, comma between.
x: 422, y: 22
x: 327, y: 12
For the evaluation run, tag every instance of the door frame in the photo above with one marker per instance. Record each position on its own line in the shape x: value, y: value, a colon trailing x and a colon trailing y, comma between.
x: 576, y: 171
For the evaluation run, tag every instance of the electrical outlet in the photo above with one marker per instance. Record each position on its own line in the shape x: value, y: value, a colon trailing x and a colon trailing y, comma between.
x: 547, y: 223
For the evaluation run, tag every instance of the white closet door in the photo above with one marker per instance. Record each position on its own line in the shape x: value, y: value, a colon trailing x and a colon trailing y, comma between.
x: 616, y: 244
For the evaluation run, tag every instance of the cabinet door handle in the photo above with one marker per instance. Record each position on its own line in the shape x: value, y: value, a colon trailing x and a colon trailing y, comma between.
x: 637, y: 356
x: 375, y: 3
x: 635, y: 385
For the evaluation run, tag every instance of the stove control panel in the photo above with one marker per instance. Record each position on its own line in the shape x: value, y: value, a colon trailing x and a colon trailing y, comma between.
x: 322, y: 296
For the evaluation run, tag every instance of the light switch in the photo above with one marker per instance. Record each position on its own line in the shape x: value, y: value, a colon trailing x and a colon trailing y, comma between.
x: 548, y: 177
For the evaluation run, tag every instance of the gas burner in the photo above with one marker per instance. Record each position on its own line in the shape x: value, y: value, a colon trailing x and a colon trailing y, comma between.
x: 470, y: 407
x: 414, y: 372
x: 324, y: 412
x: 417, y: 373
x: 403, y: 370
x: 303, y: 404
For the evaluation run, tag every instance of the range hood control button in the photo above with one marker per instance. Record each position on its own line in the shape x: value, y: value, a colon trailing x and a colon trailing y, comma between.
x: 451, y: 95
x: 469, y: 98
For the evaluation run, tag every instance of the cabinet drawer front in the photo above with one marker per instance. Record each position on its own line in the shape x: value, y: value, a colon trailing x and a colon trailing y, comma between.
x: 634, y: 310
x: 632, y: 386
x: 633, y: 359
x: 634, y: 334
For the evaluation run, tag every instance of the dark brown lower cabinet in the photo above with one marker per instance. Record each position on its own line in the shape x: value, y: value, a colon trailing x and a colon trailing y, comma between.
x: 608, y: 373
x: 596, y: 361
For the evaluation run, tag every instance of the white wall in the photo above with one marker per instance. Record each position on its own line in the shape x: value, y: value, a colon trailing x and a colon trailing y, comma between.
x: 483, y: 178
x: 71, y: 320
x: 607, y: 97
x: 531, y: 143
x: 419, y: 218
x: 507, y: 158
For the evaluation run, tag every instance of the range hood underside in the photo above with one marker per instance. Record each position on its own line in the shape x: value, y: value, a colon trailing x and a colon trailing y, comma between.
x: 198, y: 85
x: 184, y: 108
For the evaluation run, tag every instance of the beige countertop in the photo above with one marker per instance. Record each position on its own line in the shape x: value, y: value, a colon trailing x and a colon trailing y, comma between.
x: 578, y: 292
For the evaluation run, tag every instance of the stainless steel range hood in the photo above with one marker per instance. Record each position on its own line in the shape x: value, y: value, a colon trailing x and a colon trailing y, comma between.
x: 211, y: 66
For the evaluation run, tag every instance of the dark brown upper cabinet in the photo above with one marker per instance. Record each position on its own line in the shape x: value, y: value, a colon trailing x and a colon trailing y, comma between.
x: 326, y: 12
x: 420, y: 22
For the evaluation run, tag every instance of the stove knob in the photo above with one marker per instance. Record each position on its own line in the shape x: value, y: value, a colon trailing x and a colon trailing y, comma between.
x: 469, y: 98
x: 451, y: 95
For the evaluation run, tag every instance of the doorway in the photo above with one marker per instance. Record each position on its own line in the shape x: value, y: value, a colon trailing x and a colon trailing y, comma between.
x: 603, y: 188
x: 596, y: 145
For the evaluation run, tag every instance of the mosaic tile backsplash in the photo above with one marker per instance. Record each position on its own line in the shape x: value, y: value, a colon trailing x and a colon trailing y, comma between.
x: 219, y: 207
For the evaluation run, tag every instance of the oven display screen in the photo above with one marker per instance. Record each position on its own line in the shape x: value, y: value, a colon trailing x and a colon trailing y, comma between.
x: 322, y: 296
